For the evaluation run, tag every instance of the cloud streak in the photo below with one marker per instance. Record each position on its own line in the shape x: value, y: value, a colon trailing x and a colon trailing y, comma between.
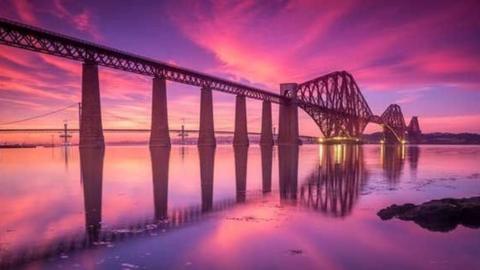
x: 291, y: 42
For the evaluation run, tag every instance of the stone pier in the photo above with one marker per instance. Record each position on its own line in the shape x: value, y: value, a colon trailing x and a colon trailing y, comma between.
x: 206, y: 134
x: 266, y: 136
x: 159, y: 134
x: 240, y: 137
x: 288, y: 122
x: 91, y: 131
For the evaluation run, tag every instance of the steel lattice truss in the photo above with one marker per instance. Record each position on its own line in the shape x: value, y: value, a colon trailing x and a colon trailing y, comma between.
x: 335, y: 103
x: 414, y: 127
x: 35, y: 39
x: 334, y: 100
x: 394, y: 122
x: 413, y: 131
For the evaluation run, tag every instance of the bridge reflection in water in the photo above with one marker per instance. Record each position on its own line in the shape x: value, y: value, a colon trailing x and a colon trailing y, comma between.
x: 413, y: 154
x: 393, y: 158
x: 207, y: 160
x: 160, y: 157
x: 288, y: 172
x: 332, y: 188
x: 91, y: 166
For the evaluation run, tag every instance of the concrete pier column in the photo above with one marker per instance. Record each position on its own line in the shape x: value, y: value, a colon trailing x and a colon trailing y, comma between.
x: 91, y: 131
x: 240, y: 137
x: 206, y: 135
x: 288, y: 121
x: 159, y: 135
x: 266, y: 136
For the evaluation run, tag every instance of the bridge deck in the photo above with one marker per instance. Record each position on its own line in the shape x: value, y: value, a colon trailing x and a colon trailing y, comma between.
x: 31, y: 38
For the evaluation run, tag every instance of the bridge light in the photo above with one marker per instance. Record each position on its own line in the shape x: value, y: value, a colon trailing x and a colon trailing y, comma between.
x: 320, y: 154
x: 382, y: 141
x: 339, y: 153
x: 404, y: 141
x: 320, y: 140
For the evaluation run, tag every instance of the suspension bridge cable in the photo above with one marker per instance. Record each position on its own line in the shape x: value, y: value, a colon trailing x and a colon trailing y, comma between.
x: 38, y: 116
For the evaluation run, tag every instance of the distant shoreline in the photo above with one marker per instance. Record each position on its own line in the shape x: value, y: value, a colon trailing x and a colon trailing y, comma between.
x: 436, y: 138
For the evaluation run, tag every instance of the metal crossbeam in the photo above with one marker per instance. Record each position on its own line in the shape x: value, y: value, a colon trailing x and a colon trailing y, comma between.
x: 26, y: 37
x: 394, y: 122
x: 334, y: 101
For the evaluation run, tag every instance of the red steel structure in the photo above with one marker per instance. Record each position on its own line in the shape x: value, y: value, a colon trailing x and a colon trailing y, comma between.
x: 394, y: 124
x: 334, y: 101
x: 413, y: 130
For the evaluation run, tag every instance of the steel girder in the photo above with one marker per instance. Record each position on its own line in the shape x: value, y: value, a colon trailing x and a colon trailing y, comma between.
x: 414, y: 132
x: 335, y: 103
x: 38, y: 40
x: 394, y: 122
x: 334, y: 100
x: 414, y: 126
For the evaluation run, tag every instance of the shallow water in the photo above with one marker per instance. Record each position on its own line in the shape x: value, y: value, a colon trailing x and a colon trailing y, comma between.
x: 313, y: 207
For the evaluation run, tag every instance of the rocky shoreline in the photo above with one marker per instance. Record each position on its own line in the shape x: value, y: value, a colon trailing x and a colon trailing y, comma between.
x: 438, y: 215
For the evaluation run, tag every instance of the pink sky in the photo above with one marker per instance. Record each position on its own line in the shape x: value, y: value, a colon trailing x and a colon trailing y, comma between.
x: 422, y: 55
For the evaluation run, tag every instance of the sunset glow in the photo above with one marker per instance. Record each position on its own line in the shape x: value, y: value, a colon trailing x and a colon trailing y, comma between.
x: 239, y: 134
x: 421, y: 55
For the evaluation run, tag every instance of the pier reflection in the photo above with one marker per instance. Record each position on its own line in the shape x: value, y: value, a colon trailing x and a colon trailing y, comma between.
x: 160, y: 158
x: 393, y: 159
x: 207, y: 161
x: 91, y: 166
x: 335, y: 185
x: 288, y: 172
x: 413, y: 153
x: 266, y: 152
x: 241, y: 153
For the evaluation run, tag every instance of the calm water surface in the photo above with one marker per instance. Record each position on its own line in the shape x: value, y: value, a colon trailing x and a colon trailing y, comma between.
x: 186, y: 208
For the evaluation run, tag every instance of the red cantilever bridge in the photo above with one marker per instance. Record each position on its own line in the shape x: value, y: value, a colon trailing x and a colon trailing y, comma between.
x: 334, y: 101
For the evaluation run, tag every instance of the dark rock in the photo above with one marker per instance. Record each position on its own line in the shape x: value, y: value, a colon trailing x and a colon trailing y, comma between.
x: 394, y: 210
x: 438, y: 215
